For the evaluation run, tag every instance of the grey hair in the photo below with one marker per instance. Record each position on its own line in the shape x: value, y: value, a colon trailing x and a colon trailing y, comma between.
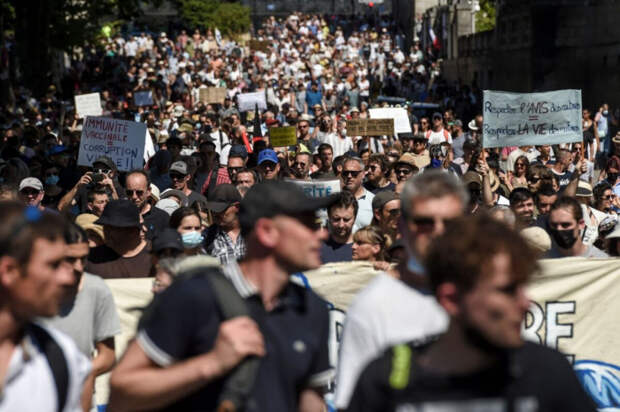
x: 353, y: 159
x: 432, y: 183
x: 505, y: 214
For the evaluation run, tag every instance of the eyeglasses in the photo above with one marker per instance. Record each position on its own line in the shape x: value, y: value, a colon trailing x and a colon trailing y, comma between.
x: 372, y: 167
x: 305, y: 126
x: 426, y: 224
x: 269, y: 165
x: 394, y: 212
x: 130, y: 192
x: 176, y: 176
x: 403, y: 171
x: 534, y: 179
x: 351, y: 173
x: 519, y: 165
x: 232, y: 170
x: 393, y: 154
x: 608, y: 197
x: 300, y: 164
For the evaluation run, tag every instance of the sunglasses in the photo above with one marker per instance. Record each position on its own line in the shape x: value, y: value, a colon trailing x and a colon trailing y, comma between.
x: 176, y: 176
x: 519, y: 165
x: 130, y: 192
x: 608, y: 197
x: 403, y: 171
x: 352, y: 173
x: 235, y: 169
x: 30, y: 192
x: 426, y: 224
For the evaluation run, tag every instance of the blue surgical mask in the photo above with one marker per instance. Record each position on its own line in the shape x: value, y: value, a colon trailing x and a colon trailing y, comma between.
x: 52, y: 180
x: 192, y: 240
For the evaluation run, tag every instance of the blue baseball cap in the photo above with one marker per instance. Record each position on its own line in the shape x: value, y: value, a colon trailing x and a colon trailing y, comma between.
x: 57, y: 150
x: 267, y: 155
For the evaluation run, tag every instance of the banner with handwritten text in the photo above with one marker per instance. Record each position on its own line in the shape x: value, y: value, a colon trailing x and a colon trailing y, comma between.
x: 522, y: 119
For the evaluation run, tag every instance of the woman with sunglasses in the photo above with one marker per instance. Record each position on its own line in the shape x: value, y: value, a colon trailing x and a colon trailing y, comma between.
x: 371, y: 244
x: 519, y: 177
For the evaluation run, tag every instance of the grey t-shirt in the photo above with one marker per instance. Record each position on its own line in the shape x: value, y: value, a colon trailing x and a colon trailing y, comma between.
x: 91, y: 317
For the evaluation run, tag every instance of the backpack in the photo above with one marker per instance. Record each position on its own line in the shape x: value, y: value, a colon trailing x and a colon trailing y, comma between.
x: 56, y: 360
x: 238, y: 384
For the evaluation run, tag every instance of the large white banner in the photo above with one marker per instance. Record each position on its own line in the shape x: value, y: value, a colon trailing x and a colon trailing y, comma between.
x: 522, y: 119
x: 318, y: 188
x: 121, y: 140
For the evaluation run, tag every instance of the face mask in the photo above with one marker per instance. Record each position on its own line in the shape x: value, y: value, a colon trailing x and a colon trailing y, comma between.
x: 605, y: 112
x: 564, y: 238
x: 52, y: 180
x: 192, y: 240
x: 612, y: 177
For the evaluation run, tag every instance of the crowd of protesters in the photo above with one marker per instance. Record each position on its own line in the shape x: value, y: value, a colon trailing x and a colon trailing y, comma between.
x: 207, y: 192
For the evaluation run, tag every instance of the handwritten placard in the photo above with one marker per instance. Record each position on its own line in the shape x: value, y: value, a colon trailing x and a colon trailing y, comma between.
x: 522, y: 119
x: 212, y: 95
x: 260, y: 45
x: 370, y: 127
x: 144, y: 98
x: 88, y: 105
x: 248, y: 101
x: 318, y: 188
x: 283, y: 136
x: 399, y: 114
x: 121, y: 140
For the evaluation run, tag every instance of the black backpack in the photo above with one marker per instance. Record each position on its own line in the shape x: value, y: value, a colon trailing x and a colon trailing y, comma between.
x: 56, y: 359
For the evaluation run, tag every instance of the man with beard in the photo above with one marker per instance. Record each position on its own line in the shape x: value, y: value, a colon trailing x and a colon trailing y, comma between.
x: 138, y: 190
x: 377, y: 172
x: 565, y: 227
x: 180, y: 175
x: 386, y: 209
x: 88, y: 314
x: 340, y: 219
x: 223, y: 239
x: 326, y: 155
x: 397, y: 308
x: 301, y: 167
x: 185, y: 345
x: 478, y: 271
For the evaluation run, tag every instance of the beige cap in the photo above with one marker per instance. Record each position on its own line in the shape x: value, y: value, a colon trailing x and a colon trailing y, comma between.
x: 537, y: 238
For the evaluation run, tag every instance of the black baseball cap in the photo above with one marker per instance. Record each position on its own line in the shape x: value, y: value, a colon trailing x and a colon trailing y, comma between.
x: 168, y: 238
x: 223, y: 196
x: 120, y: 213
x: 105, y: 160
x: 269, y: 199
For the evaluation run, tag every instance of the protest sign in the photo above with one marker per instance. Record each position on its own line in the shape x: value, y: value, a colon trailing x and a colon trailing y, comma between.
x: 143, y: 98
x: 318, y: 188
x: 123, y: 141
x: 283, y: 136
x: 522, y: 119
x: 88, y: 105
x: 399, y: 114
x: 260, y: 45
x: 248, y: 101
x: 370, y: 127
x: 149, y: 147
x: 212, y: 95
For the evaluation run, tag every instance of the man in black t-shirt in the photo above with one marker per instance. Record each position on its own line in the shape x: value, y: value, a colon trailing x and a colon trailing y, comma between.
x: 340, y: 219
x: 478, y: 271
x: 185, y: 347
x: 138, y: 190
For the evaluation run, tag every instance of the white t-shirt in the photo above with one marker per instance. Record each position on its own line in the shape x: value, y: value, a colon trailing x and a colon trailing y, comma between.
x: 29, y: 383
x: 386, y: 312
x: 339, y: 145
x: 439, y: 137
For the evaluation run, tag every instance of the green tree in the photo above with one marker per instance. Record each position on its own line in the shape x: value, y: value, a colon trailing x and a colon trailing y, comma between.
x: 485, y: 18
x: 229, y: 17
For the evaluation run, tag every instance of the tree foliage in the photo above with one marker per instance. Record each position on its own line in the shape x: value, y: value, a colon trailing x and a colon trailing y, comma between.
x: 485, y: 18
x: 230, y: 18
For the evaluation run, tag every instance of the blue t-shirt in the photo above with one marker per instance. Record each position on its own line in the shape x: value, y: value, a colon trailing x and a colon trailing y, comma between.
x: 313, y: 98
x: 332, y: 251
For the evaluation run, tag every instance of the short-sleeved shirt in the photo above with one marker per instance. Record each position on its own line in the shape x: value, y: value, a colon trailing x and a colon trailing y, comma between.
x: 531, y: 378
x: 105, y: 262
x: 183, y: 322
x: 364, y: 210
x: 91, y: 317
x: 155, y: 220
x: 332, y: 251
